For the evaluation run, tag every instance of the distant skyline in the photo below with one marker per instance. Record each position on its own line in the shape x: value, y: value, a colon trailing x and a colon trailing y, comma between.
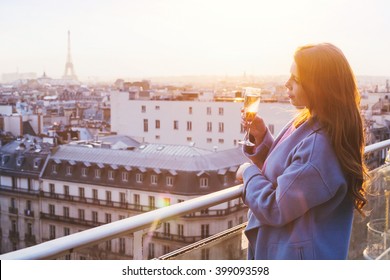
x: 141, y: 39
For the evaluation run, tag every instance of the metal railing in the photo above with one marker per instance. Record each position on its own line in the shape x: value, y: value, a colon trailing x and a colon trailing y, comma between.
x: 68, y: 244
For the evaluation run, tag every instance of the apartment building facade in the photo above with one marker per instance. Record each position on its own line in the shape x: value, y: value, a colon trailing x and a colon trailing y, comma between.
x: 21, y: 163
x: 204, y: 123
x: 80, y: 187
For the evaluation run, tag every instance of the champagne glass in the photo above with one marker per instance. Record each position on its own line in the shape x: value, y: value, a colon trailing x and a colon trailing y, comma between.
x: 251, y: 107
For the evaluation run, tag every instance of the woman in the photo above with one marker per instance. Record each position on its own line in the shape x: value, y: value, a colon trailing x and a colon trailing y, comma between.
x: 302, y: 187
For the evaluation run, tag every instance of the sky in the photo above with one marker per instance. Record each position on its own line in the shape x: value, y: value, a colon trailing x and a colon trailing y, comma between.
x: 146, y: 38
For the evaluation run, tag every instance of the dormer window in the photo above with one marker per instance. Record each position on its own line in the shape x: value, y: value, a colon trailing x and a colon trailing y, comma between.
x: 4, y: 159
x: 169, y: 181
x: 69, y: 170
x: 204, y: 182
x: 84, y: 172
x: 203, y: 179
x: 37, y: 163
x: 19, y: 161
x: 154, y: 179
x: 111, y: 175
x: 54, y: 168
x: 139, y: 177
x: 125, y: 176
x: 98, y: 173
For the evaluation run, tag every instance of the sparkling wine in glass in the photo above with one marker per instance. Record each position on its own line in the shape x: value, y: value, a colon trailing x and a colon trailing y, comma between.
x: 251, y: 107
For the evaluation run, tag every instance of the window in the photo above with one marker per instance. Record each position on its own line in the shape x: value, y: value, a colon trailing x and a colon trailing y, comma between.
x: 29, y: 229
x: 230, y: 224
x: 209, y: 140
x: 205, y: 231
x: 13, y: 203
x: 19, y: 161
x: 66, y: 231
x: 143, y: 109
x: 122, y: 245
x: 98, y: 173
x: 111, y: 175
x: 122, y: 197
x: 221, y: 127
x: 152, y: 202
x: 108, y: 218
x: 95, y: 194
x: 68, y: 170
x: 204, y: 182
x: 54, y: 168
x: 189, y: 126
x: 208, y: 110
x: 84, y: 172
x: 66, y: 190
x: 81, y: 193
x: 66, y: 212
x: 157, y: 107
x: 125, y: 176
x: 146, y: 125
x: 209, y: 126
x: 4, y: 159
x: 136, y: 199
x: 108, y: 245
x: 169, y: 181
x: 180, y: 230
x: 221, y: 140
x: 175, y: 125
x: 157, y: 124
x: 94, y: 217
x: 167, y: 229
x: 81, y: 214
x: 14, y: 226
x: 190, y: 110
x: 154, y: 179
x: 37, y: 162
x: 28, y: 205
x: 189, y: 139
x: 52, y: 232
x: 108, y: 196
x: 52, y: 209
x: 52, y: 188
x: 139, y: 177
x: 220, y: 111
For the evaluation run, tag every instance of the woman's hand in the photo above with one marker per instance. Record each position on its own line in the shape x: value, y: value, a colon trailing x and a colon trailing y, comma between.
x: 258, y: 128
x: 241, y: 170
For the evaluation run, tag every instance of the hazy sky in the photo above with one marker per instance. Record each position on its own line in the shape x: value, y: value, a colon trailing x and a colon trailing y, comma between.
x: 145, y: 38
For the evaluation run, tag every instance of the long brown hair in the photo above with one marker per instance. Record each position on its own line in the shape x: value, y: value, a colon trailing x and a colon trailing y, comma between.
x: 334, y: 99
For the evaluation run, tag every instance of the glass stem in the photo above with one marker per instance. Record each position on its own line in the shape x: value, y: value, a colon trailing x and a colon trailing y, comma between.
x: 248, y: 131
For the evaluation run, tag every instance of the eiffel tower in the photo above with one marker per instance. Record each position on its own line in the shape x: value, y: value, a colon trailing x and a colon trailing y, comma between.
x: 69, y: 70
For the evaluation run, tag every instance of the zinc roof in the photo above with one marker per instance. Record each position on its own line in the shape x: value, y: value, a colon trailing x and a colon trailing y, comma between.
x: 155, y: 156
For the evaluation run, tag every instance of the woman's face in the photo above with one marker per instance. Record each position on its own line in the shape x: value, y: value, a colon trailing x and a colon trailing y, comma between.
x: 295, y: 91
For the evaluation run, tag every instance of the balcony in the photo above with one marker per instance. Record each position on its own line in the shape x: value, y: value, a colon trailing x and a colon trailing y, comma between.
x: 228, y: 244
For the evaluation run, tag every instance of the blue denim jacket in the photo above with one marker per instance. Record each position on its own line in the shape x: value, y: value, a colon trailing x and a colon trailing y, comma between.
x: 299, y: 207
